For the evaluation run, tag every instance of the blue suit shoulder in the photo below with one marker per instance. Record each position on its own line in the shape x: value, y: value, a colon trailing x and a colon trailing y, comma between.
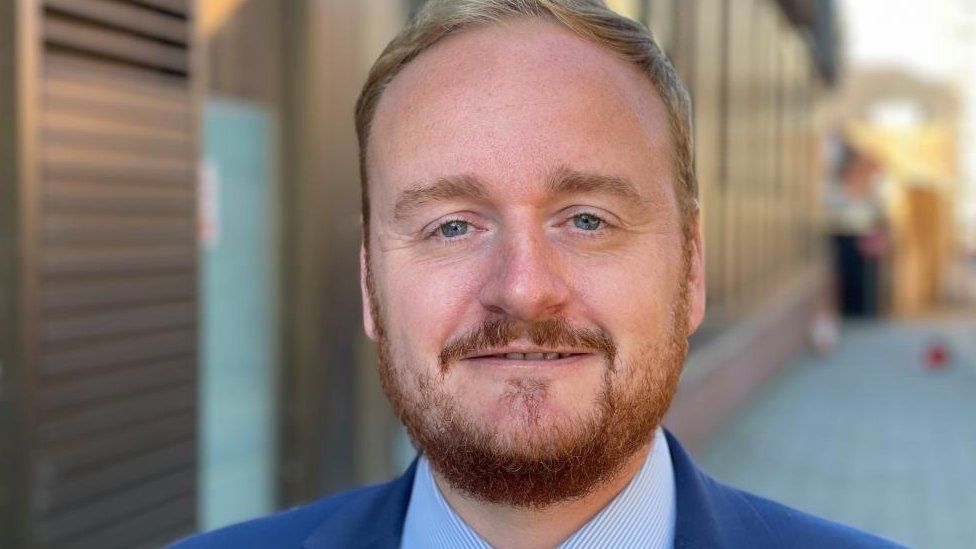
x: 713, y: 515
x: 335, y: 520
x: 287, y: 528
x: 798, y: 529
x: 760, y: 522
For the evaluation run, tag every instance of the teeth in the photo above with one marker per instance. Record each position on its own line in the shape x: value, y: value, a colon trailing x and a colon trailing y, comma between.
x: 534, y: 356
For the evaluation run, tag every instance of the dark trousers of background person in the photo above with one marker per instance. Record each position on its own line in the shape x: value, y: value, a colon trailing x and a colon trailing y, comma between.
x: 858, y: 278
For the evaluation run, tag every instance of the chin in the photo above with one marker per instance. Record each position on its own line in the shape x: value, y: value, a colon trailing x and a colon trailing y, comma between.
x: 533, y: 420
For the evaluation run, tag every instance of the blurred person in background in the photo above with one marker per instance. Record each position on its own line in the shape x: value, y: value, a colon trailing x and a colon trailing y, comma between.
x: 858, y: 235
x: 531, y: 271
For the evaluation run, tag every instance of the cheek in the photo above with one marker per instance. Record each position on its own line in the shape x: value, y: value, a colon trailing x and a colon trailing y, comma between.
x: 632, y: 301
x: 626, y: 296
x: 426, y: 305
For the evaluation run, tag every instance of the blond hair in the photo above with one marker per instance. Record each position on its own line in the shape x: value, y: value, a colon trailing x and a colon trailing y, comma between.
x: 590, y: 19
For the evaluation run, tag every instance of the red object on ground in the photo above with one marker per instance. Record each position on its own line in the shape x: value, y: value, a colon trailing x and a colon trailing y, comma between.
x: 936, y: 355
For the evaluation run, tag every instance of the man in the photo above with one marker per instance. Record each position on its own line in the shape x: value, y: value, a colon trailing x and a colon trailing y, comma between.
x: 531, y: 269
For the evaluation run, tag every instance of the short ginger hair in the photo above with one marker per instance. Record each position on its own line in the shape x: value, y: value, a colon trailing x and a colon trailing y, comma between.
x: 590, y: 19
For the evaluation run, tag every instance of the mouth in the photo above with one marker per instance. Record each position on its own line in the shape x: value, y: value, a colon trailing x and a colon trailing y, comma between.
x: 527, y: 356
x: 535, y: 355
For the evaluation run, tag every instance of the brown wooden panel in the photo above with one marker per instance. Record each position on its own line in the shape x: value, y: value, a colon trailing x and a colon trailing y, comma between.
x: 144, y: 497
x: 15, y: 297
x: 99, y: 230
x: 151, y: 529
x: 165, y: 538
x: 661, y: 23
x: 113, y: 44
x: 72, y: 261
x: 97, y: 107
x: 117, y: 414
x: 173, y: 6
x: 107, y: 166
x: 71, y: 456
x: 708, y: 135
x: 87, y: 294
x: 112, y: 98
x: 73, y: 391
x: 112, y: 78
x: 114, y: 435
x: 119, y: 200
x: 75, y: 490
x: 240, y: 63
x: 128, y: 17
x: 107, y: 161
x: 97, y: 138
x: 134, y: 128
x: 114, y: 352
x: 118, y: 322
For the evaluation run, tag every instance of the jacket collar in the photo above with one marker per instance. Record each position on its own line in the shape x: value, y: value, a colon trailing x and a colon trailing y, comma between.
x: 374, y: 518
x: 699, y: 518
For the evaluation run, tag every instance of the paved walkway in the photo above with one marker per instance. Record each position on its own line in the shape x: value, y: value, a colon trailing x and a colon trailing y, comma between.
x: 867, y: 436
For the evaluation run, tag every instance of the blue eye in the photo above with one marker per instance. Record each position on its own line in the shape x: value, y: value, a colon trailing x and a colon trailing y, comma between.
x: 454, y: 228
x: 587, y: 222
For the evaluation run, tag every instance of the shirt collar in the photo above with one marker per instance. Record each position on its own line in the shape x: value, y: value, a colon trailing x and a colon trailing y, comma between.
x: 642, y: 515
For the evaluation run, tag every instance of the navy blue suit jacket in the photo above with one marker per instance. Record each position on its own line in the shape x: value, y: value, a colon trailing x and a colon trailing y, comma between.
x: 709, y: 515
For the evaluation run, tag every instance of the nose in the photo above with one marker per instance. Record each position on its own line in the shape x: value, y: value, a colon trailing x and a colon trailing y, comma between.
x: 526, y: 282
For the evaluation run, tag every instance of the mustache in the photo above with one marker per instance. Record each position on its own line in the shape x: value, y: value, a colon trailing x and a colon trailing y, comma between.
x: 549, y: 333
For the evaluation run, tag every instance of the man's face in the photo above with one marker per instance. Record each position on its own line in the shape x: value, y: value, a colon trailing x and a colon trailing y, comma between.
x: 527, y: 278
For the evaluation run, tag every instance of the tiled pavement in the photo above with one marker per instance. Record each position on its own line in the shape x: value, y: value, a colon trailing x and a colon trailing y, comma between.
x: 867, y: 436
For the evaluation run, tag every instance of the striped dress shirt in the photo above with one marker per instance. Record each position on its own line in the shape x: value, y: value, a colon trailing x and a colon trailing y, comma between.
x: 642, y: 514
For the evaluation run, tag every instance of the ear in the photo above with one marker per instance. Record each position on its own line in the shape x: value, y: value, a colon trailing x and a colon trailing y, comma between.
x: 696, y: 277
x: 368, y: 323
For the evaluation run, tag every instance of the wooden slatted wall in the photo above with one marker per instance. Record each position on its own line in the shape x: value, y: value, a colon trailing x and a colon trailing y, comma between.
x: 113, y: 380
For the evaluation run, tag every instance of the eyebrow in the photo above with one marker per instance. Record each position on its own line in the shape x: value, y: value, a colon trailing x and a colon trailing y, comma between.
x: 566, y: 181
x: 445, y: 188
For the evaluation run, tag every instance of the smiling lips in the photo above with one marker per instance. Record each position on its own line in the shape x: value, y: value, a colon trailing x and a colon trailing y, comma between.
x: 528, y: 356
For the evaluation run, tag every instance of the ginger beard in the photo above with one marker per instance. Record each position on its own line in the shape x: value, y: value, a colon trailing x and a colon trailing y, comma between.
x: 544, y: 464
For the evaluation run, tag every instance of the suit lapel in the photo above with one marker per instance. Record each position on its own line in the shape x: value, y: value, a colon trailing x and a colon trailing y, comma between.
x: 372, y: 518
x: 700, y: 518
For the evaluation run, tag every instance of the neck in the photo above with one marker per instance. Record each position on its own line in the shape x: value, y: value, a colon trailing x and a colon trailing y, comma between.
x: 506, y: 526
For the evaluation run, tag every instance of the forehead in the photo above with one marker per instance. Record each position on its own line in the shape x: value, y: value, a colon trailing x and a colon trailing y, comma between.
x: 512, y: 101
